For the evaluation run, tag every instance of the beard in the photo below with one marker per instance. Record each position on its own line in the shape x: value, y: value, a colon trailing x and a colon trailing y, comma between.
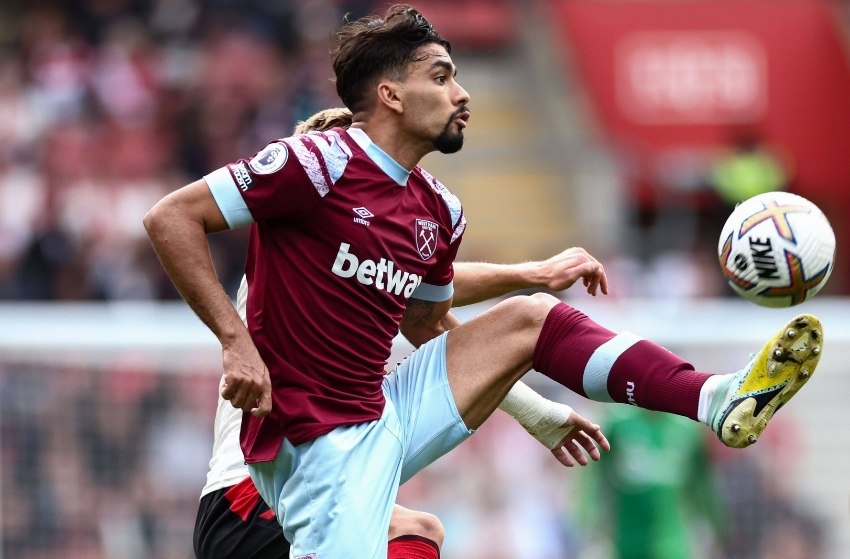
x: 448, y: 141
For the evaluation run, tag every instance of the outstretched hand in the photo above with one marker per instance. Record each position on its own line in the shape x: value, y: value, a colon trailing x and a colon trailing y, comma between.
x: 583, y: 439
x: 561, y: 271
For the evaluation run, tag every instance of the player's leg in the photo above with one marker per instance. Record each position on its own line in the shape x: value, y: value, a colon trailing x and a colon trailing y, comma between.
x: 485, y: 356
x: 414, y: 534
x: 335, y: 493
x: 418, y: 389
x: 236, y: 522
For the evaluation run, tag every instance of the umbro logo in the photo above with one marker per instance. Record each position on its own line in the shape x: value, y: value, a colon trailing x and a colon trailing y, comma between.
x: 363, y: 215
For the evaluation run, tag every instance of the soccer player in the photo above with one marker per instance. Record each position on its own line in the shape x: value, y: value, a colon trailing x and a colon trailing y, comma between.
x: 351, y: 241
x: 233, y: 521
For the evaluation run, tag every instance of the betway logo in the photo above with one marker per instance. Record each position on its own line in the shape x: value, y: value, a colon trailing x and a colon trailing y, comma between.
x: 383, y: 274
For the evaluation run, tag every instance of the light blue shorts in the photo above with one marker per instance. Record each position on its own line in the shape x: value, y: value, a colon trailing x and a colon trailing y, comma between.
x: 335, y: 493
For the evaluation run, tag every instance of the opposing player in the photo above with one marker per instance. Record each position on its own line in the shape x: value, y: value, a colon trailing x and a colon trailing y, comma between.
x: 351, y: 241
x: 233, y: 521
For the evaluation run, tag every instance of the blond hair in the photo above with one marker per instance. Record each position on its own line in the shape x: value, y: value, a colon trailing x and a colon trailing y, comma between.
x: 325, y: 120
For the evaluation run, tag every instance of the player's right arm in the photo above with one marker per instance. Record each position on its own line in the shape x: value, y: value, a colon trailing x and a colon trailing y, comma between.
x: 178, y: 226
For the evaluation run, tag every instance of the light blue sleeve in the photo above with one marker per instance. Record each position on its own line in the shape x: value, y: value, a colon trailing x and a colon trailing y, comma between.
x: 433, y: 293
x: 226, y: 194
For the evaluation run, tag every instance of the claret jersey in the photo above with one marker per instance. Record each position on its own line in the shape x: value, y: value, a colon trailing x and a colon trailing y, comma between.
x: 341, y: 237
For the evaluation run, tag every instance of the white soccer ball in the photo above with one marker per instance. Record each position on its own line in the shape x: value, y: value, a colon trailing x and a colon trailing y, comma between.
x: 776, y: 249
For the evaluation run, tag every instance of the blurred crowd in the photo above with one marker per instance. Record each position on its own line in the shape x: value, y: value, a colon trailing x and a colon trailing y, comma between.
x: 101, y: 463
x: 107, y: 463
x: 107, y: 105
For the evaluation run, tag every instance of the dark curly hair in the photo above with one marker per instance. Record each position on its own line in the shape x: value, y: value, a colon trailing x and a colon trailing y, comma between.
x: 371, y: 47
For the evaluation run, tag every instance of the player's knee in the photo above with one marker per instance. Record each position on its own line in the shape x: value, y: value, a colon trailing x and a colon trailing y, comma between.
x: 431, y: 528
x: 527, y: 311
x: 407, y: 522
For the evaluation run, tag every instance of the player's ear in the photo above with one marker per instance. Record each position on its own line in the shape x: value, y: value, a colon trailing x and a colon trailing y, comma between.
x: 390, y: 95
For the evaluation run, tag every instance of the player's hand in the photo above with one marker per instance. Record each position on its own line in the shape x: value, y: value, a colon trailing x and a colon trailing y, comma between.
x: 246, y: 383
x: 584, y: 438
x: 561, y: 271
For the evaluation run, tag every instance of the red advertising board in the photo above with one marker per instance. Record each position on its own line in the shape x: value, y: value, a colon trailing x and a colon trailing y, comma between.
x: 690, y: 78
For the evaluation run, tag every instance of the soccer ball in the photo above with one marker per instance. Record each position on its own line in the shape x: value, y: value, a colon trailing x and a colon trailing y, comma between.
x: 776, y: 249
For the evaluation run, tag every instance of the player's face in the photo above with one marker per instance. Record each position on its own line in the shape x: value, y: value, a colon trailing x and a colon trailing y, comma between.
x: 435, y: 103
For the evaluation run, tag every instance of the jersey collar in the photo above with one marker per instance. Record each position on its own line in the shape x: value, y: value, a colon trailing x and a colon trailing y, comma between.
x: 386, y: 163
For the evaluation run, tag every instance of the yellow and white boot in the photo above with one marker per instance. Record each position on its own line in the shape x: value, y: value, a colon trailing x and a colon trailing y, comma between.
x: 744, y: 403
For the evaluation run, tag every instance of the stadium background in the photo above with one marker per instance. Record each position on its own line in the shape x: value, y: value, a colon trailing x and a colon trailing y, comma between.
x: 595, y: 123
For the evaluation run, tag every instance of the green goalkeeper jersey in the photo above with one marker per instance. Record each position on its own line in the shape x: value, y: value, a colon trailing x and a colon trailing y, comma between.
x: 655, y: 485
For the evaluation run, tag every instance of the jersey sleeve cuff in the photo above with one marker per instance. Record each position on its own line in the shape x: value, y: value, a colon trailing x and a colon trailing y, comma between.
x: 433, y: 293
x: 229, y: 200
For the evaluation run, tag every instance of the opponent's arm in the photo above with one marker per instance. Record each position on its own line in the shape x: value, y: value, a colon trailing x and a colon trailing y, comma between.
x: 178, y: 226
x: 557, y: 426
x: 478, y: 281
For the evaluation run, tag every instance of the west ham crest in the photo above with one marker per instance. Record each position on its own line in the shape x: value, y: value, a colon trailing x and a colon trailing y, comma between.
x: 426, y: 238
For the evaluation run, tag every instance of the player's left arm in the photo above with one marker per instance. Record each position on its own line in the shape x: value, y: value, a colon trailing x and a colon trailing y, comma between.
x: 478, y: 281
x: 427, y: 315
x: 425, y: 320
